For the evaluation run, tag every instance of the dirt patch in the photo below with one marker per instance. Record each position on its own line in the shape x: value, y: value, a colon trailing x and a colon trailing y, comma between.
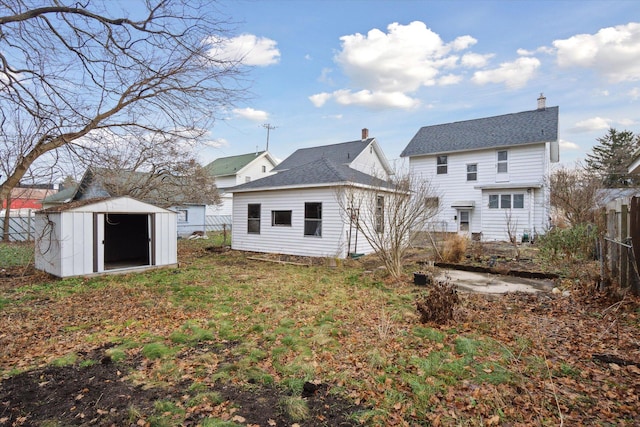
x: 102, y: 394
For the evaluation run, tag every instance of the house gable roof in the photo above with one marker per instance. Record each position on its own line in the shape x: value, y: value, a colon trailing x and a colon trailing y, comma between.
x: 527, y: 127
x: 318, y: 172
x: 340, y: 154
x: 232, y: 165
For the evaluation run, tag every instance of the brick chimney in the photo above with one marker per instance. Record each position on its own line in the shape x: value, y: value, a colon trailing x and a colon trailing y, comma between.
x: 542, y: 102
x: 365, y: 133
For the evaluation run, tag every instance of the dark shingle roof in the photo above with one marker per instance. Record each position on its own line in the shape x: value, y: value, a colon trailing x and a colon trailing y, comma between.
x: 231, y: 165
x: 339, y: 154
x: 499, y: 131
x: 318, y: 172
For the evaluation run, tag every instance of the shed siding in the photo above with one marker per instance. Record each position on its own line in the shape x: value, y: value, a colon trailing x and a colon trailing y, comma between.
x: 290, y: 240
x: 526, y: 164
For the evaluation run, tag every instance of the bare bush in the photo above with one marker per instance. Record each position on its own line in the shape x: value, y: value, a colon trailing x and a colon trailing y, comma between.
x: 439, y: 303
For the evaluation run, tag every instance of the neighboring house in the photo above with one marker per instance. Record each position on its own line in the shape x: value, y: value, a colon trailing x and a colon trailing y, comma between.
x: 236, y: 170
x: 27, y: 197
x: 101, y: 235
x: 98, y: 183
x: 490, y: 174
x: 297, y: 210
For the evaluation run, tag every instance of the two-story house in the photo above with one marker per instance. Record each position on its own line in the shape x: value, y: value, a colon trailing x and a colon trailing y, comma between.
x: 491, y: 174
x: 235, y: 170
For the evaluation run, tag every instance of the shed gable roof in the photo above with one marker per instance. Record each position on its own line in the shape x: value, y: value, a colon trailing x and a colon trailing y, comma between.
x: 526, y: 127
x: 231, y: 165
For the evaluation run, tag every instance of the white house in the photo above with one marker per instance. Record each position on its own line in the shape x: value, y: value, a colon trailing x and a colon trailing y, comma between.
x: 298, y: 211
x: 97, y: 236
x: 490, y: 173
x: 235, y: 170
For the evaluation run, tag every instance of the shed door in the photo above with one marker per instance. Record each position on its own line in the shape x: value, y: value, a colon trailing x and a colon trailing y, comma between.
x: 125, y: 240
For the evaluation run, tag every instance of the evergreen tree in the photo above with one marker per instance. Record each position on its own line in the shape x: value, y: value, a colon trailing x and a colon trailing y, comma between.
x: 610, y: 159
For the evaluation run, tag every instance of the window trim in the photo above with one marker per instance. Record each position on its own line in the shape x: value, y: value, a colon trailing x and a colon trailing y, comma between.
x: 379, y: 214
x: 253, y: 219
x: 276, y: 218
x: 497, y: 201
x: 502, y: 162
x: 474, y: 172
x: 442, y: 163
x: 308, y: 220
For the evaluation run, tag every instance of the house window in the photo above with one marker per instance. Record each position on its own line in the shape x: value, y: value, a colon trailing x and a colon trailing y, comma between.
x: 518, y: 201
x: 253, y: 219
x: 505, y: 201
x: 281, y: 218
x: 502, y: 161
x: 264, y: 169
x: 472, y: 172
x: 432, y: 202
x: 441, y: 165
x: 380, y: 214
x: 183, y: 215
x: 247, y: 179
x: 313, y: 219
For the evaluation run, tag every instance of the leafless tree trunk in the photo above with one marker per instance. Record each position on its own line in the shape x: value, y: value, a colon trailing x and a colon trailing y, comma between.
x: 72, y: 73
x: 389, y: 214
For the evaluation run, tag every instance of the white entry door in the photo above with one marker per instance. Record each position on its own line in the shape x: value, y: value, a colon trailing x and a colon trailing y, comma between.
x: 464, y: 222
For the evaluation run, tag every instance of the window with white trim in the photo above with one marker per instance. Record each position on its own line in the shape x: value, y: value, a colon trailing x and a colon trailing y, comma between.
x: 502, y: 161
x: 472, y: 172
x: 506, y: 201
x: 281, y: 218
x: 441, y: 165
x: 380, y: 214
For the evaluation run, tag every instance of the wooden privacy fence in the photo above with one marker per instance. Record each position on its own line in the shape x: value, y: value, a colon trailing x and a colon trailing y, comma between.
x: 620, y: 245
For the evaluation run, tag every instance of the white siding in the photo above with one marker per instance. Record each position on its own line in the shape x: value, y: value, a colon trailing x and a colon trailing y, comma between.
x: 368, y: 162
x: 47, y: 246
x: 166, y: 245
x: 526, y: 165
x: 253, y: 170
x: 291, y: 240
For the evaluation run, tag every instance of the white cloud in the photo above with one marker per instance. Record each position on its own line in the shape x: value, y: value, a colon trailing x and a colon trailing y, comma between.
x: 320, y: 99
x: 251, y: 114
x: 366, y: 98
x: 475, y: 60
x: 626, y: 122
x: 449, y: 79
x: 613, y: 51
x: 513, y: 74
x: 635, y: 93
x: 404, y: 59
x: 592, y: 124
x: 568, y: 145
x: 216, y: 143
x: 245, y: 48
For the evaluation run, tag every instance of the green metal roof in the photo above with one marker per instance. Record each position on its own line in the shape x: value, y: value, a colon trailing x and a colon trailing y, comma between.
x: 231, y: 165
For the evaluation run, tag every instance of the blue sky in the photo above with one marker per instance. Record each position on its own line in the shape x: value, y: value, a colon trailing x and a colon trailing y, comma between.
x: 323, y: 70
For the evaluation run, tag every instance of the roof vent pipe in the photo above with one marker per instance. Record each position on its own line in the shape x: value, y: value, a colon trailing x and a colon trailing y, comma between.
x: 365, y: 133
x: 542, y: 102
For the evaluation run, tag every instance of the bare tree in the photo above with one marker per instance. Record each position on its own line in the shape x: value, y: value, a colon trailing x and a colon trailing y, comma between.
x: 388, y: 213
x: 574, y: 194
x: 74, y: 70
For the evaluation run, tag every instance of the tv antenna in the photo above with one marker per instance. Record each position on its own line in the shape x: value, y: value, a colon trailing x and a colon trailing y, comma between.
x: 268, y: 127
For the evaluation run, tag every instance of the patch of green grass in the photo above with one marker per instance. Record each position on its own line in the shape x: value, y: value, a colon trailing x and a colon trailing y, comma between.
x: 295, y: 407
x: 429, y: 333
x: 16, y: 254
x: 87, y: 363
x: 191, y: 334
x: 156, y: 350
x: 67, y: 360
x: 216, y: 422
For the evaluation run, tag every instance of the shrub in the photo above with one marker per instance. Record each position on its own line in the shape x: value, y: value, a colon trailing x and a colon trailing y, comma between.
x: 577, y: 242
x: 455, y: 247
x: 439, y: 303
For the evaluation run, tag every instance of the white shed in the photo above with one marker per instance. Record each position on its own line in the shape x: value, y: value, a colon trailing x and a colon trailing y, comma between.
x: 107, y: 235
